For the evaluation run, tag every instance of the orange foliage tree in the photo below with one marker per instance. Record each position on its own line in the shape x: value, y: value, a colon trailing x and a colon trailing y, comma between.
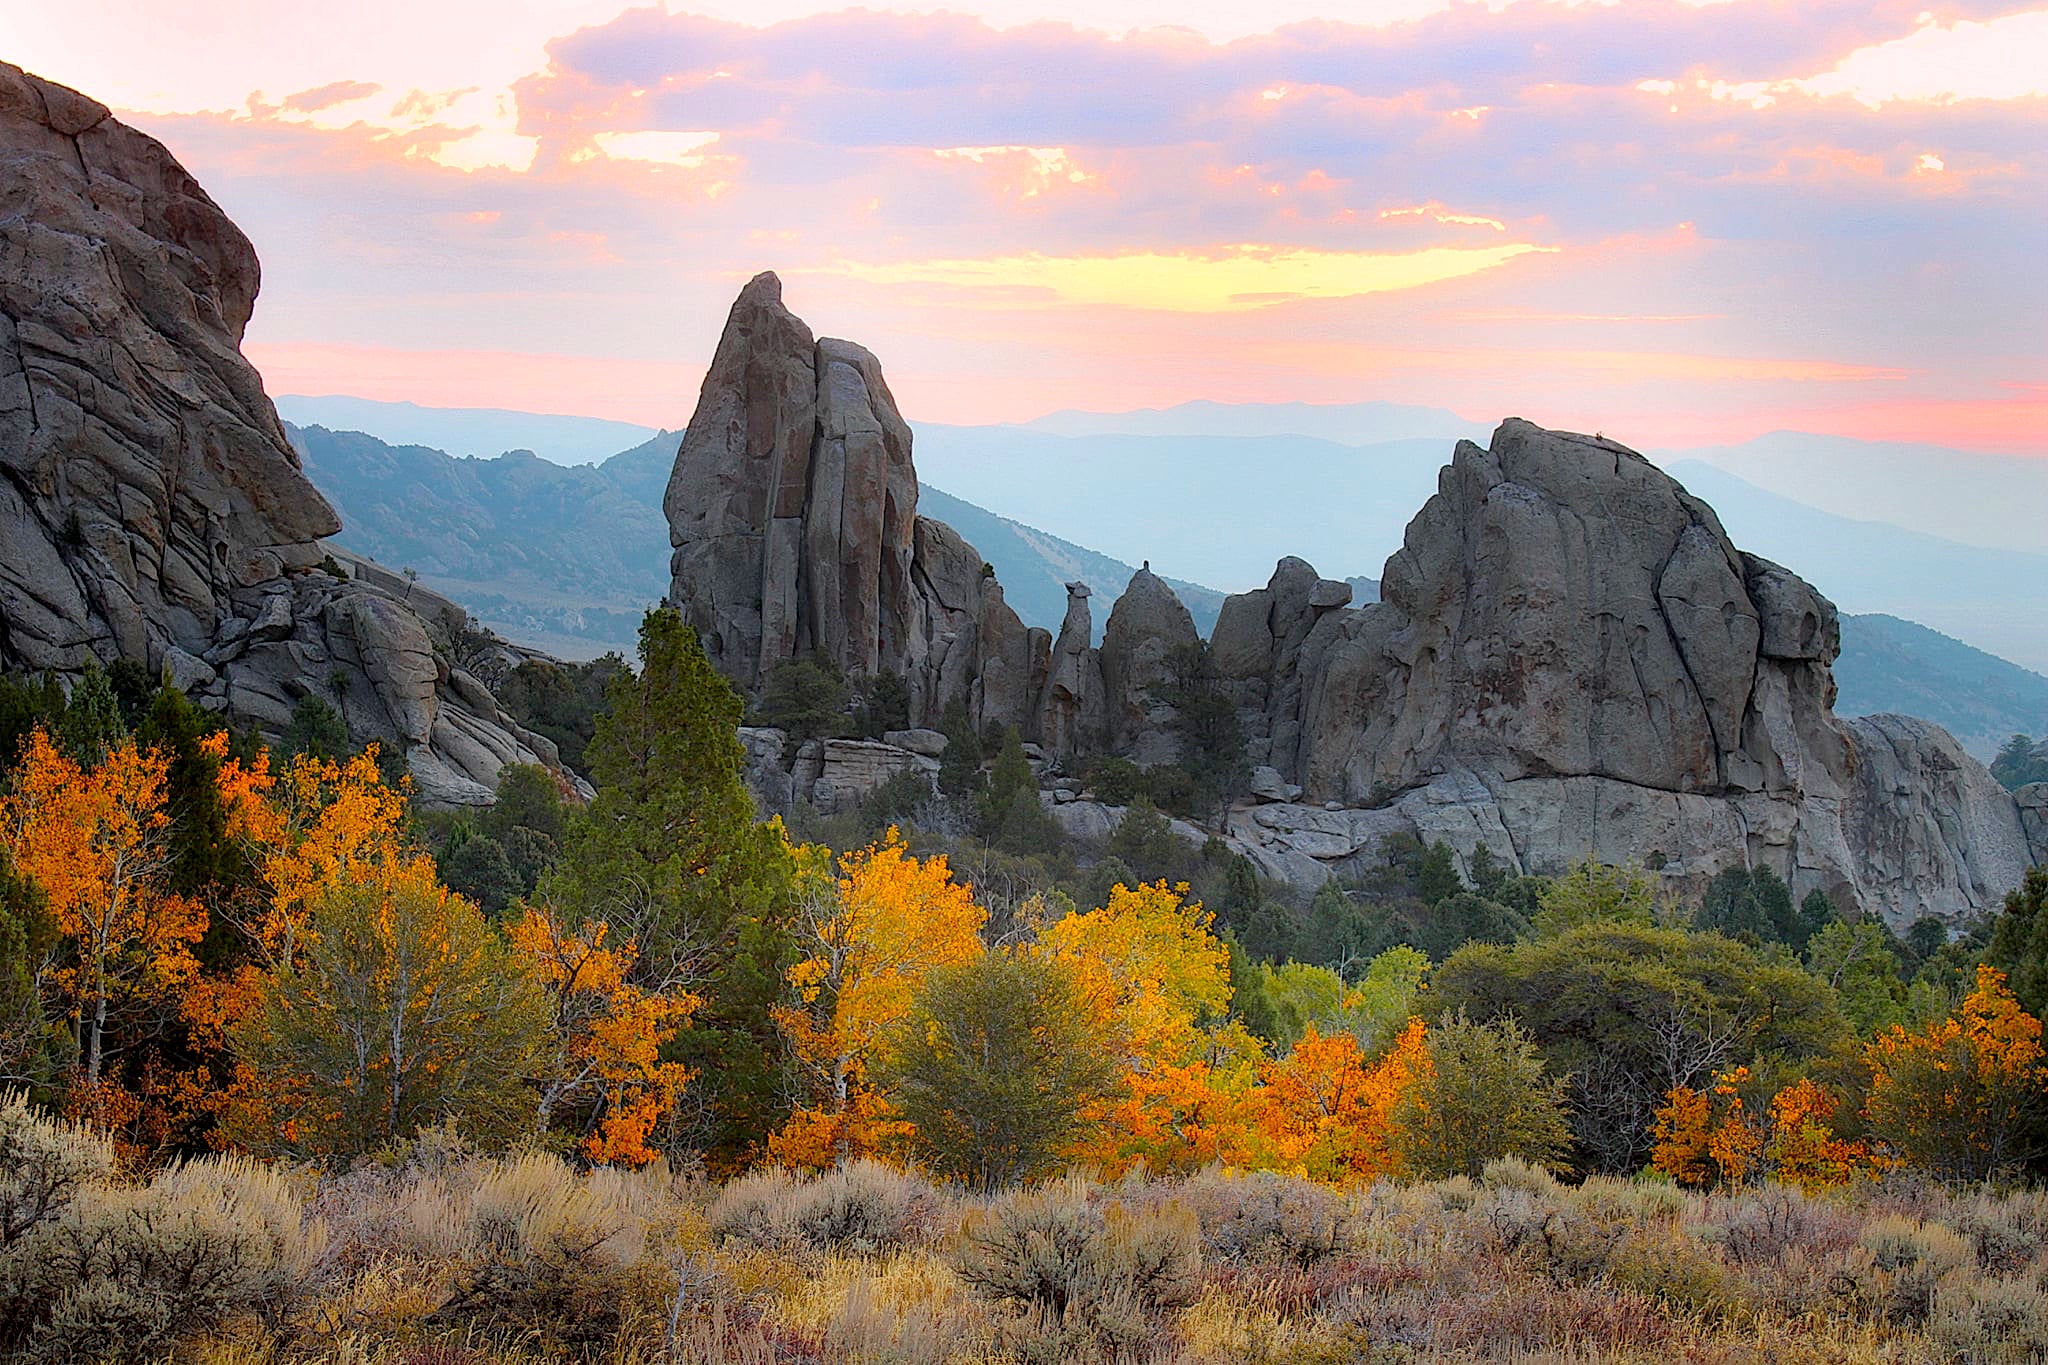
x: 869, y: 937
x: 320, y: 823
x: 1803, y: 1149
x: 95, y: 840
x: 1155, y: 982
x: 1965, y: 1096
x: 607, y: 1036
x: 1326, y: 1110
x: 1709, y: 1138
x: 316, y: 825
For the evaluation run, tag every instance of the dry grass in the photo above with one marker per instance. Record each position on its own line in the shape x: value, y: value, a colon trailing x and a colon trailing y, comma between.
x: 452, y: 1258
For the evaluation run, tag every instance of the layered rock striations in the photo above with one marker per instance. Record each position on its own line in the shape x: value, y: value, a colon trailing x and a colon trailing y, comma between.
x: 151, y: 507
x: 793, y: 513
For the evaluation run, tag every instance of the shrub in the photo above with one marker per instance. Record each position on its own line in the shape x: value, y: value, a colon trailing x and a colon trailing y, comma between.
x: 1911, y: 1260
x: 1991, y: 1321
x: 1761, y: 1228
x: 1670, y: 1267
x: 2009, y: 1233
x: 860, y: 1208
x: 550, y: 1252
x: 44, y: 1165
x: 1270, y: 1219
x: 1054, y: 1251
x: 129, y: 1274
x: 760, y: 1209
x: 865, y: 1207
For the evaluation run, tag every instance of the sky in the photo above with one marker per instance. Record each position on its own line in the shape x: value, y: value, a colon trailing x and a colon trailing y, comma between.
x: 1674, y: 222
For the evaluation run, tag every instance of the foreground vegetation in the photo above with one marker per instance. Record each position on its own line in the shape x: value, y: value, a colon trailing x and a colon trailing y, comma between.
x: 290, y: 1069
x: 436, y: 1255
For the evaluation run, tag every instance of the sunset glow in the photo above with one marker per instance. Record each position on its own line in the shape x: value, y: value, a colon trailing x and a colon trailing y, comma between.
x: 1674, y: 222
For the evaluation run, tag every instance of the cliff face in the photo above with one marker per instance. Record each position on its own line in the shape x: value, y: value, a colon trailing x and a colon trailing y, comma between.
x: 150, y: 505
x: 1570, y: 656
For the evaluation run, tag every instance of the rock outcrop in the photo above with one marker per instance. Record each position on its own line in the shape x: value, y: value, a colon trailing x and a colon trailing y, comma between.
x: 151, y: 507
x: 1070, y: 712
x: 1147, y: 628
x: 1571, y: 658
x: 793, y: 513
x: 1568, y: 658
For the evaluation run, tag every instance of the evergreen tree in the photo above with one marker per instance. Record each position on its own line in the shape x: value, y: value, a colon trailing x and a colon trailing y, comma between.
x: 205, y: 857
x: 1144, y: 841
x: 1436, y: 875
x: 29, y: 1045
x: 960, y: 768
x: 2019, y: 942
x: 669, y: 852
x: 25, y: 704
x: 317, y: 730
x: 92, y: 717
x: 2020, y: 762
x: 804, y: 697
x: 1205, y: 720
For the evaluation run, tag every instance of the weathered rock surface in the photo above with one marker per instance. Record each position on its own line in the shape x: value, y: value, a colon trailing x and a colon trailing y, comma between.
x: 1571, y: 658
x: 1257, y: 652
x: 793, y: 512
x: 1567, y: 657
x: 1146, y: 628
x: 831, y: 775
x: 2033, y: 803
x: 150, y: 506
x: 1070, y: 709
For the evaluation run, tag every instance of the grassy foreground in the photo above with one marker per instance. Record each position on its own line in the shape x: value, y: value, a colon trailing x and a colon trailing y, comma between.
x: 445, y: 1257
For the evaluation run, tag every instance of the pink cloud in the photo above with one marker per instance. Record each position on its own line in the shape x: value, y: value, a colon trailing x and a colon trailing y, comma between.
x: 1717, y: 263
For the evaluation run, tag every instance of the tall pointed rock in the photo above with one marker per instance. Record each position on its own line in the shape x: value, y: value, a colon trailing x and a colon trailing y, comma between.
x: 793, y: 512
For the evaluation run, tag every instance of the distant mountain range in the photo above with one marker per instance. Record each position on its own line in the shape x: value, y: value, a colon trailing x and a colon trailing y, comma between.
x: 1351, y: 424
x: 563, y: 558
x: 468, y: 431
x: 567, y: 558
x: 1892, y: 665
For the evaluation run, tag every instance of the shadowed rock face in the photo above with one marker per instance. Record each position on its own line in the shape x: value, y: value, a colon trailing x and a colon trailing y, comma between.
x: 144, y: 477
x: 150, y: 506
x: 793, y: 512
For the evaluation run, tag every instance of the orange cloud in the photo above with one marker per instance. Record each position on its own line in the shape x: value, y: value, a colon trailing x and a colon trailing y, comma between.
x: 1230, y: 280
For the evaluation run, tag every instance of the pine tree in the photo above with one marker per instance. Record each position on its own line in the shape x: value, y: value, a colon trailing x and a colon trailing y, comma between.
x: 670, y: 854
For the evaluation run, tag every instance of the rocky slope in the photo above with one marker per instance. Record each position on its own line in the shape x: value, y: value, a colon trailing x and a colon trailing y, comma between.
x: 1570, y: 656
x: 151, y: 507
